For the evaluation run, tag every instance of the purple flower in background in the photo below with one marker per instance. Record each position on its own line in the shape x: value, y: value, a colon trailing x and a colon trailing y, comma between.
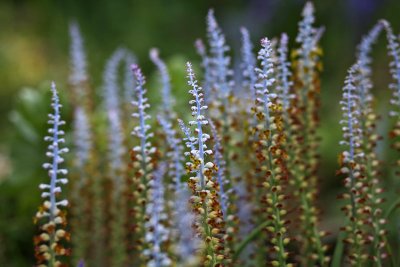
x: 165, y: 80
x: 81, y: 263
x: 364, y: 7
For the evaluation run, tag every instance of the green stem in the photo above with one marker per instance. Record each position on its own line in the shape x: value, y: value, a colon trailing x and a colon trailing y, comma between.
x: 338, y: 253
x: 210, y: 246
x: 395, y: 205
x: 390, y: 251
x: 52, y: 261
x: 253, y: 235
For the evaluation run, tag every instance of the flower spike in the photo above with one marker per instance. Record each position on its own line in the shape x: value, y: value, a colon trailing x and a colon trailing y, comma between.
x: 205, y: 198
x: 51, y: 216
x: 142, y: 156
x: 284, y: 74
x: 351, y: 166
x: 112, y: 104
x: 248, y: 63
x: 157, y: 233
x: 78, y: 58
x: 219, y: 61
x: 175, y: 158
x: 206, y: 66
x: 166, y: 80
x: 270, y: 154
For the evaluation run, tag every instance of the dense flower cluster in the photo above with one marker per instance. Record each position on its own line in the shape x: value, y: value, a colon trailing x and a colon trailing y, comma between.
x: 142, y: 161
x: 304, y: 120
x: 205, y: 199
x: 271, y: 155
x: 350, y: 163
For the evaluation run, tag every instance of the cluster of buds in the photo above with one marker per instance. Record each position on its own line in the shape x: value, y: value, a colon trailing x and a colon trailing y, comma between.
x: 186, y: 249
x: 83, y: 136
x: 172, y: 148
x: 248, y: 64
x: 205, y: 198
x: 306, y: 65
x: 218, y: 61
x: 271, y: 156
x: 51, y: 218
x: 165, y: 81
x: 173, y: 154
x: 220, y: 165
x: 223, y: 103
x: 308, y: 38
x: 226, y: 192
x: 86, y: 198
x: 189, y: 244
x: 370, y: 164
x: 303, y: 121
x: 115, y: 103
x: 284, y: 84
x: 246, y: 194
x: 142, y: 161
x: 206, y: 66
x: 351, y: 166
x: 157, y: 234
x: 112, y: 105
x: 394, y: 52
x: 78, y: 77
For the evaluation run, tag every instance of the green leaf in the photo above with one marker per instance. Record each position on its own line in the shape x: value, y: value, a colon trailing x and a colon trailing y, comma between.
x: 253, y: 235
x: 338, y: 252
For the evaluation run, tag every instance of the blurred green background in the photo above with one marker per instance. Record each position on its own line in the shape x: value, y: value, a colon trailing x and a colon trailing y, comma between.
x: 34, y: 49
